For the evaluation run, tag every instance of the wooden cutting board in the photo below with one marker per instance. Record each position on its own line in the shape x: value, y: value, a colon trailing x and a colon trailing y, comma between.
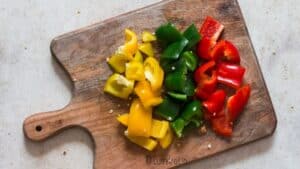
x: 83, y: 55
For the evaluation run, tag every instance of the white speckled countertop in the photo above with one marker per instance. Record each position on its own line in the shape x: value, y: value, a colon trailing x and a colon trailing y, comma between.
x: 31, y: 81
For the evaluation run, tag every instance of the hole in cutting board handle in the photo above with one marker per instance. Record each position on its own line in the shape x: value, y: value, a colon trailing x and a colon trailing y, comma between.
x: 38, y: 128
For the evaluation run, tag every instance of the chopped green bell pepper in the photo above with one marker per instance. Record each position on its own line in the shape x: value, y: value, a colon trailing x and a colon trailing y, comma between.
x: 190, y: 59
x: 178, y: 80
x: 175, y: 81
x: 191, y: 116
x: 168, y: 109
x: 189, y: 87
x: 192, y: 109
x: 194, y: 123
x: 168, y: 33
x: 173, y: 51
x: 178, y: 126
x: 167, y: 65
x: 192, y: 35
x: 178, y: 96
x: 173, y: 65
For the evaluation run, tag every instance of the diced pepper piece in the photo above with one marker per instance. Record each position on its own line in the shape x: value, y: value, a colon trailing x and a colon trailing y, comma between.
x: 189, y: 88
x: 237, y: 102
x: 135, y: 71
x: 147, y: 49
x: 168, y: 33
x: 210, y: 31
x: 191, y: 60
x: 203, y: 71
x: 192, y: 35
x: 176, y: 81
x: 144, y: 142
x: 192, y: 113
x: 178, y: 74
x: 221, y: 125
x: 148, y: 36
x: 147, y: 96
x: 222, y: 122
x: 204, y: 91
x: 174, y: 65
x: 205, y: 47
x: 138, y: 57
x: 211, y: 28
x: 166, y: 141
x: 159, y: 128
x: 225, y: 51
x: 230, y: 74
x: 195, y: 123
x: 215, y: 113
x: 206, y: 84
x: 215, y: 102
x: 153, y: 73
x: 131, y: 43
x: 178, y: 126
x: 178, y: 96
x: 168, y: 65
x: 117, y: 85
x: 123, y: 119
x: 167, y: 109
x: 173, y: 51
x: 191, y: 110
x: 118, y: 61
x: 139, y: 119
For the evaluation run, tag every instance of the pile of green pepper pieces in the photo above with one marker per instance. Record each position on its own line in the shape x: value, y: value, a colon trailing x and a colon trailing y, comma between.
x: 179, y: 62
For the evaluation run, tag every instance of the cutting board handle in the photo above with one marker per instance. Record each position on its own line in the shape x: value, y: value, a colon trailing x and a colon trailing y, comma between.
x: 40, y: 126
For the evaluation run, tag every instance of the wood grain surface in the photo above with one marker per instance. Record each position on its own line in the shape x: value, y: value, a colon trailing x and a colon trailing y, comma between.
x: 83, y: 54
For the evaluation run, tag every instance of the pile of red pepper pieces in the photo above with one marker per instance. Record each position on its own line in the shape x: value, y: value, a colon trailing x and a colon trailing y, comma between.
x: 221, y: 66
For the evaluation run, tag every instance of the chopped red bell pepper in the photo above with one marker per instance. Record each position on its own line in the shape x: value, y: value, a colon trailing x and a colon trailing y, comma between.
x: 211, y: 28
x: 210, y: 31
x: 230, y: 74
x: 221, y: 125
x: 225, y: 51
x: 206, y: 79
x: 207, y: 86
x: 203, y: 71
x: 237, y: 102
x: 215, y: 102
x: 222, y: 122
x: 205, y: 48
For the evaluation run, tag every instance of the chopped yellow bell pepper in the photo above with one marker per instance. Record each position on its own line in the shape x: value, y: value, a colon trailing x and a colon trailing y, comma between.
x: 123, y: 119
x: 153, y: 73
x: 166, y: 141
x: 147, y: 96
x: 144, y: 142
x: 147, y: 49
x: 139, y: 119
x: 118, y: 61
x: 159, y: 128
x: 135, y: 71
x: 138, y: 57
x: 148, y: 36
x: 131, y: 43
x: 117, y: 85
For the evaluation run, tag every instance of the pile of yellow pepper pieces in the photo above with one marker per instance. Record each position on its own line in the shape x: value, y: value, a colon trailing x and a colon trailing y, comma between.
x: 133, y: 75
